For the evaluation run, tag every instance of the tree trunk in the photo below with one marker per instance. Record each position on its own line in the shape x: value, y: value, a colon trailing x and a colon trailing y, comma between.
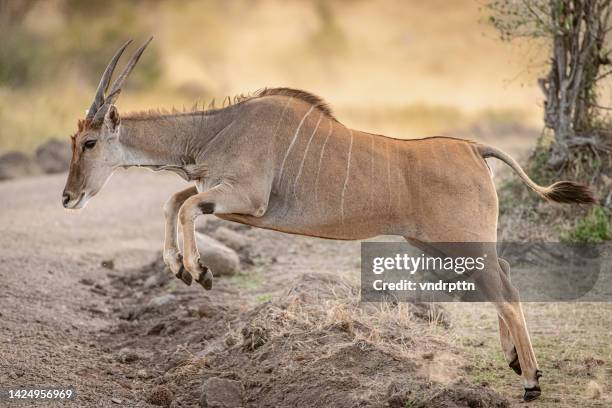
x: 578, y: 38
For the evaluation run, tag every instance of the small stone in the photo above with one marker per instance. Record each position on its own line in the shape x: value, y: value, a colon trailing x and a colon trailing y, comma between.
x: 207, y: 311
x: 128, y: 355
x: 222, y: 260
x: 156, y: 330
x: 108, y: 264
x: 87, y: 282
x: 428, y: 356
x: 143, y: 374
x: 160, y: 396
x: 231, y: 238
x: 221, y: 393
x: 593, y: 390
x: 116, y: 401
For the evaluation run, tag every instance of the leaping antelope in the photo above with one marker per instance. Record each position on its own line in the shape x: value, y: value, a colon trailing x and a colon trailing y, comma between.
x: 280, y: 160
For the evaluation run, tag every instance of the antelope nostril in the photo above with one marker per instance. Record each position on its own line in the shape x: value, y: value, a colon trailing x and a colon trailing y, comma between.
x: 65, y: 198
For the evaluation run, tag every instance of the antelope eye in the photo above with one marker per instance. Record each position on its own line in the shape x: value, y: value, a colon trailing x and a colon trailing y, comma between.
x: 89, y: 144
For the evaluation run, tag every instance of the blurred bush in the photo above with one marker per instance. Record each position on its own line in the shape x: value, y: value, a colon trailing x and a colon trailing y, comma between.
x: 80, y: 36
x: 592, y: 229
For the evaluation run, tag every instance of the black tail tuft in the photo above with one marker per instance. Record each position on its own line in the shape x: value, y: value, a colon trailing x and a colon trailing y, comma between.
x: 569, y: 192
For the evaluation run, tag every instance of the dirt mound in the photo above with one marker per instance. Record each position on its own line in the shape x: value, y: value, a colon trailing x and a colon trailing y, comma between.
x: 312, y: 345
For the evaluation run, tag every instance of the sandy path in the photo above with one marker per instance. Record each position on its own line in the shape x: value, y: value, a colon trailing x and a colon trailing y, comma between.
x: 46, y: 315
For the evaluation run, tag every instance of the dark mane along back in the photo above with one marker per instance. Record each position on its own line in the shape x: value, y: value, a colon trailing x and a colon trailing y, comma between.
x: 228, y: 101
x: 299, y: 94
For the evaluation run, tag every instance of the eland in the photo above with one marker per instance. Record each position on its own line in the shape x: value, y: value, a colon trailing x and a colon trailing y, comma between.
x: 280, y: 160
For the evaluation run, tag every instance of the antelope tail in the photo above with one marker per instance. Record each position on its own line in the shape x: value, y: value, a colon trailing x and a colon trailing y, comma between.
x: 565, y: 192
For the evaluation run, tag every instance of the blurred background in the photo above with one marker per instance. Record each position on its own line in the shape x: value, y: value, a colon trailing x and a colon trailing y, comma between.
x: 402, y: 68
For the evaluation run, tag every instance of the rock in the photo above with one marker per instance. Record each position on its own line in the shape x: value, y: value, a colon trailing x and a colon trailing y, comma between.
x: 221, y: 393
x: 428, y: 356
x: 156, y: 330
x: 207, y: 311
x: 162, y: 300
x: 231, y: 238
x: 128, y: 355
x: 160, y: 396
x: 108, y: 264
x: 54, y: 155
x: 593, y: 390
x: 221, y: 260
x: 143, y: 374
x: 16, y: 164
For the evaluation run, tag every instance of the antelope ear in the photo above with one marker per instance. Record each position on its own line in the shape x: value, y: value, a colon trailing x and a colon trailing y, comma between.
x: 111, y: 119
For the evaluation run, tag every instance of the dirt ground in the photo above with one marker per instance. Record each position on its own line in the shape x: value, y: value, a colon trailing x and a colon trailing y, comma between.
x: 85, y: 302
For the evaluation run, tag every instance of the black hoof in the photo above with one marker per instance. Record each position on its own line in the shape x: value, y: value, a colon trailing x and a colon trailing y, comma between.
x: 184, y: 276
x: 516, y: 366
x: 532, y: 393
x: 206, y: 278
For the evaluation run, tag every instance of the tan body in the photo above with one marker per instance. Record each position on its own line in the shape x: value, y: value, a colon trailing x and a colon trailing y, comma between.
x: 387, y: 187
x: 281, y: 161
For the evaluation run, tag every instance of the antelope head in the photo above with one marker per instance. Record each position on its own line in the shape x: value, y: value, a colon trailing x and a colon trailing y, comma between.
x: 96, y: 151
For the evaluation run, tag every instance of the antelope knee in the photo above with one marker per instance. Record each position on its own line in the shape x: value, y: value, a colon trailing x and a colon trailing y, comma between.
x: 187, y: 213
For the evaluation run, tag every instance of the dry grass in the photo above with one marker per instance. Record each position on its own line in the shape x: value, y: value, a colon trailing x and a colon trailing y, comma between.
x: 323, y: 313
x: 570, y: 340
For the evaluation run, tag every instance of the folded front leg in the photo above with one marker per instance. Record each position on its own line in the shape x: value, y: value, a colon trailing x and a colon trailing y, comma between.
x: 172, y: 255
x: 222, y: 199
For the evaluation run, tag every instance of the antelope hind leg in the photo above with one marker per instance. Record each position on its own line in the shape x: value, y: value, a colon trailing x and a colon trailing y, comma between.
x: 172, y: 256
x: 511, y: 313
x: 504, y: 334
